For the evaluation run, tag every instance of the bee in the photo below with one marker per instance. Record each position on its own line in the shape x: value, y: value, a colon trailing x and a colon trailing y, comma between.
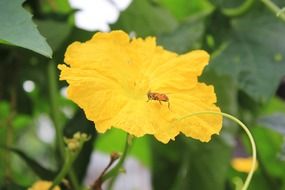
x: 158, y: 96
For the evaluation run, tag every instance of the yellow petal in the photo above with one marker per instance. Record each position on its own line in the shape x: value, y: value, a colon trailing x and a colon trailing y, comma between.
x: 179, y: 72
x: 139, y: 118
x: 199, y: 99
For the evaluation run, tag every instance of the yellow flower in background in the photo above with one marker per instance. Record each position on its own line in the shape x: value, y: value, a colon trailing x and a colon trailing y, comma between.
x: 242, y: 164
x: 139, y: 87
x: 43, y: 185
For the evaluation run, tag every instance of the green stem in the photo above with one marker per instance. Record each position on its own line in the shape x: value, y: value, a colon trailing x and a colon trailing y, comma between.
x: 69, y: 159
x: 73, y: 179
x: 55, y: 115
x: 243, y: 126
x: 240, y: 10
x: 274, y: 8
x: 114, y: 172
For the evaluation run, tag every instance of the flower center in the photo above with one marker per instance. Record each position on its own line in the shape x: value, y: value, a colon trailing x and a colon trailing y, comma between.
x: 137, y: 89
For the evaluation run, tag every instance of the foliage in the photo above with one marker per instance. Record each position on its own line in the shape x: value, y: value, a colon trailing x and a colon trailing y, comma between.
x: 246, y: 41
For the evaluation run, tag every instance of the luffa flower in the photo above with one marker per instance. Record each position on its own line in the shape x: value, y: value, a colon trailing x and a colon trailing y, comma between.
x: 139, y: 87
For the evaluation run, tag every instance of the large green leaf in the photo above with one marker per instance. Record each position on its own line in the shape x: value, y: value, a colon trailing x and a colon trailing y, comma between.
x: 275, y: 122
x: 190, y: 164
x: 18, y: 29
x: 269, y: 144
x: 184, y: 8
x: 208, y: 166
x: 9, y: 185
x: 56, y: 36
x: 225, y: 89
x: 185, y: 37
x: 145, y: 18
x: 166, y: 162
x: 253, y: 57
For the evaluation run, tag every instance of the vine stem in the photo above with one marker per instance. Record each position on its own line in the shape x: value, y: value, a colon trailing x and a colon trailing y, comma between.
x: 114, y: 172
x: 238, y: 11
x: 69, y: 159
x: 251, y: 139
x: 55, y: 115
x: 274, y: 8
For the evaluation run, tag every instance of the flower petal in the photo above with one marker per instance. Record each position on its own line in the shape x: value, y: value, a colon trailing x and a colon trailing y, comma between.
x: 139, y: 118
x: 199, y: 99
x: 180, y: 72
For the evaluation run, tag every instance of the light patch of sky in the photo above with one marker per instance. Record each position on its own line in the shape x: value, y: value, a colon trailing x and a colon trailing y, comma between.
x: 95, y: 15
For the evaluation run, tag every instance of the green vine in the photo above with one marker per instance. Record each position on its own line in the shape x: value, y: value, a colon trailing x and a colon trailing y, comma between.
x: 240, y: 10
x: 275, y: 9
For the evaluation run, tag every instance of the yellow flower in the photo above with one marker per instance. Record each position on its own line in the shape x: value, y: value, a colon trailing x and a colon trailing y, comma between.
x: 242, y: 164
x: 111, y: 76
x: 43, y: 185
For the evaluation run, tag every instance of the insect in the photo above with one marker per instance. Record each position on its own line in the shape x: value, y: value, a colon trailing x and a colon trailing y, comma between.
x: 158, y: 96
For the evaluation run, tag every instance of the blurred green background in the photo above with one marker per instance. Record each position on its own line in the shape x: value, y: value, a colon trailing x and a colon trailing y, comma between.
x: 246, y: 40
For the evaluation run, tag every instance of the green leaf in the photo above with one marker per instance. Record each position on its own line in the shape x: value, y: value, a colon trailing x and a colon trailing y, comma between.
x: 21, y: 121
x: 274, y: 105
x: 208, y: 165
x: 18, y: 29
x: 9, y: 185
x: 190, y: 164
x: 4, y: 110
x: 57, y: 35
x: 184, y: 8
x: 62, y: 6
x: 275, y: 122
x: 184, y: 37
x: 166, y: 162
x: 253, y: 57
x: 39, y: 170
x: 269, y: 144
x: 225, y: 89
x: 145, y: 19
x: 55, y: 7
